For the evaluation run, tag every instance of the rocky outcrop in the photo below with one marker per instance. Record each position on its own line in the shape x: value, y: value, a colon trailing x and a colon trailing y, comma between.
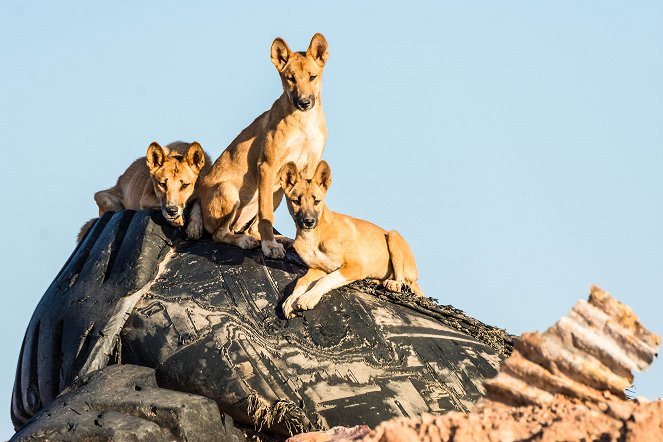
x: 590, y: 352
x: 203, y: 320
x: 565, y: 384
x: 561, y: 419
x: 206, y: 318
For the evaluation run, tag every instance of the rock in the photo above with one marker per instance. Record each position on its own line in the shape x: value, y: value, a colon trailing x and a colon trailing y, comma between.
x: 338, y: 434
x: 561, y: 419
x: 207, y: 317
x: 564, y: 384
x: 585, y: 355
x: 75, y: 327
x: 124, y: 403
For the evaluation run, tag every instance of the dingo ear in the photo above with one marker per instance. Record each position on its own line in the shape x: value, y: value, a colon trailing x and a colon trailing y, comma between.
x: 154, y: 157
x: 195, y: 156
x: 280, y: 53
x: 322, y: 176
x: 317, y: 50
x: 288, y: 175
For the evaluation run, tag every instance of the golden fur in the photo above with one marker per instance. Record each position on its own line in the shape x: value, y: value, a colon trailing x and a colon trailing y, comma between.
x: 243, y: 183
x: 337, y: 248
x: 166, y: 178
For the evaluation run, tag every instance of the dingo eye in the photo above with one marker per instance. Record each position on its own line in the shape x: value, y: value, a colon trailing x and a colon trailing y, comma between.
x: 163, y: 184
x: 312, y: 77
x: 185, y: 185
x: 297, y: 201
x: 290, y: 78
x: 316, y: 202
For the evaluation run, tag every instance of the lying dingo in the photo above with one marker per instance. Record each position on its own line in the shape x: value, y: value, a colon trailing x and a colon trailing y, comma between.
x: 243, y: 181
x: 166, y: 178
x: 337, y: 248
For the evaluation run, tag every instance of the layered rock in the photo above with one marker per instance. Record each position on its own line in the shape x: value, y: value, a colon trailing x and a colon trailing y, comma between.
x: 206, y: 318
x: 590, y: 352
x: 565, y: 384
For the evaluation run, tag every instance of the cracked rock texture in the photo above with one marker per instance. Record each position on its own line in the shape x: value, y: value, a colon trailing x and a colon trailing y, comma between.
x: 124, y: 403
x: 565, y: 384
x: 206, y: 317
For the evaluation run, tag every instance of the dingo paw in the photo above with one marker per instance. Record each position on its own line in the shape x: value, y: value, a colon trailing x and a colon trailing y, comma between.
x: 288, y: 307
x: 284, y: 240
x: 307, y: 301
x: 194, y: 230
x: 272, y: 249
x: 393, y: 285
x: 247, y: 242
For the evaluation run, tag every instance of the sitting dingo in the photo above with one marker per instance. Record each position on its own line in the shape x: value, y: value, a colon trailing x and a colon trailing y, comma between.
x: 243, y: 181
x: 337, y: 248
x: 166, y: 178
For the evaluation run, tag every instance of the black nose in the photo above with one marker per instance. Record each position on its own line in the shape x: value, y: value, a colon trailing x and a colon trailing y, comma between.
x: 171, y: 210
x: 308, y: 222
x: 304, y: 103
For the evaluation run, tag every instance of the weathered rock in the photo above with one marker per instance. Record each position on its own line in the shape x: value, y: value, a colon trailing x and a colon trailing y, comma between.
x: 211, y: 324
x: 123, y: 403
x: 334, y: 434
x: 562, y: 419
x: 74, y: 329
x: 591, y: 351
x: 207, y: 317
x: 565, y: 384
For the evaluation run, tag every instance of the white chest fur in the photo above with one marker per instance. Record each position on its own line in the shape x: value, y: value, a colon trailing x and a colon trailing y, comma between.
x: 306, y: 144
x: 309, y: 250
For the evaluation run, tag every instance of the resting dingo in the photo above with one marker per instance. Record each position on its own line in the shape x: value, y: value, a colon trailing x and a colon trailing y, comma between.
x: 337, y: 248
x: 243, y: 181
x: 166, y: 178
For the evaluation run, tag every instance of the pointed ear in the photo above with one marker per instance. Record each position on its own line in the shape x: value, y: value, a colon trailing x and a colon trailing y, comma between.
x: 280, y: 53
x: 154, y: 156
x: 195, y: 156
x: 322, y: 176
x: 317, y: 50
x: 288, y: 176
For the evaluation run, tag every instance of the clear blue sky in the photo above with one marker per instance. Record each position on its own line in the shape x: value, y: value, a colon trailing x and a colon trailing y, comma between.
x: 518, y: 146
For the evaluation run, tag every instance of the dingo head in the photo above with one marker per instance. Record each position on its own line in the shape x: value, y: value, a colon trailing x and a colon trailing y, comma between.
x: 301, y: 72
x: 305, y: 196
x: 174, y: 177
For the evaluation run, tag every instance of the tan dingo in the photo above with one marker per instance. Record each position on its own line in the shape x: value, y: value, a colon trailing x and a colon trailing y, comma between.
x: 337, y: 248
x: 243, y: 181
x: 166, y: 178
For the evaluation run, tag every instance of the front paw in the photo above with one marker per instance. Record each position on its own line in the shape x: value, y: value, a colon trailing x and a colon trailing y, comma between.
x: 393, y: 285
x: 307, y: 301
x: 288, y: 307
x: 272, y: 249
x: 247, y: 242
x: 194, y: 230
x: 284, y: 240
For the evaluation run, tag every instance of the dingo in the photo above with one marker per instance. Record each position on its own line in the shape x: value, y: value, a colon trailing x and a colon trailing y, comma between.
x: 337, y: 248
x: 243, y: 181
x: 166, y: 178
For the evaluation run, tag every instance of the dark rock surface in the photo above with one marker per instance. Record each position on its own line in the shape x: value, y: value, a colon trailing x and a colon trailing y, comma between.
x: 74, y: 328
x: 207, y: 317
x: 123, y: 403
